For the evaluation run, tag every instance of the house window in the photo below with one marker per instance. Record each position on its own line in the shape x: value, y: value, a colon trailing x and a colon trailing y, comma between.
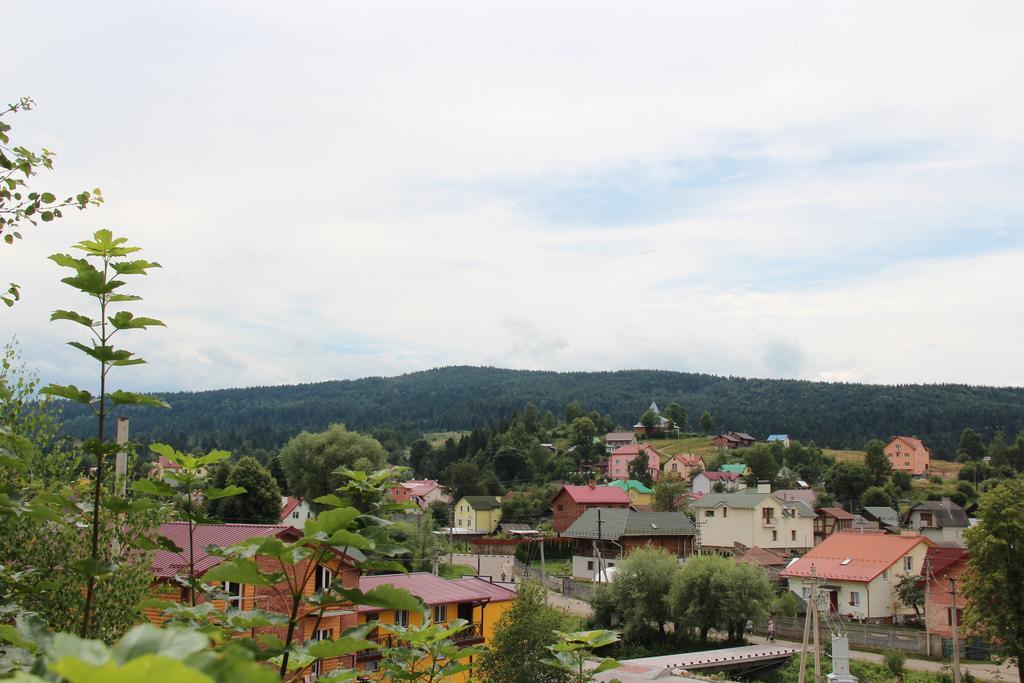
x: 959, y: 616
x: 725, y: 512
x: 322, y: 578
x: 775, y: 535
x: 792, y: 535
x: 805, y: 593
x: 908, y: 563
x: 440, y: 614
x: 590, y: 565
x: 709, y: 513
x: 855, y: 598
x: 673, y: 467
x: 402, y: 617
x: 295, y: 515
x: 322, y: 634
x: 561, y: 507
x: 234, y: 591
x: 371, y: 665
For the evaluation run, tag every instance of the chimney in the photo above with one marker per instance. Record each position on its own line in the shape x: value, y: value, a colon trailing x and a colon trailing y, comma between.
x: 592, y: 484
x: 764, y: 486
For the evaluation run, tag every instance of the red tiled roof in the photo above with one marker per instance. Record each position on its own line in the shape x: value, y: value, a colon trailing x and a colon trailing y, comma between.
x: 942, y: 558
x: 420, y: 487
x: 290, y: 504
x: 634, y: 449
x: 838, y: 513
x: 434, y: 590
x: 688, y: 459
x: 721, y: 476
x: 167, y: 564
x: 869, y: 555
x: 167, y: 464
x: 914, y: 443
x: 597, y: 494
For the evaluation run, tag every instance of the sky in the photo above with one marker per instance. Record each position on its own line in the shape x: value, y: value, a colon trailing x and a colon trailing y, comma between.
x: 823, y: 191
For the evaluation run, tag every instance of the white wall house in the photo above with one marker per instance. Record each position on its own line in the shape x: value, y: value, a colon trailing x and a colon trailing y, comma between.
x: 753, y: 517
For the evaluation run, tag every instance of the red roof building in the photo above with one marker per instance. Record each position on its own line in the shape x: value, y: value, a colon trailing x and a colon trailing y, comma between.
x: 908, y: 454
x: 682, y: 465
x: 940, y: 564
x: 572, y: 501
x: 618, y: 461
x: 830, y: 520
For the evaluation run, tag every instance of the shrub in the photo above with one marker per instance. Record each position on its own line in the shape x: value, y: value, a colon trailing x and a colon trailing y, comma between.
x: 895, y: 661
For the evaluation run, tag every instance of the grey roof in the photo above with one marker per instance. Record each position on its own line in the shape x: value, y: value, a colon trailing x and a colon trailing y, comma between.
x: 620, y: 436
x: 749, y: 500
x: 514, y: 526
x: 483, y: 502
x: 946, y: 513
x: 884, y: 515
x: 619, y: 522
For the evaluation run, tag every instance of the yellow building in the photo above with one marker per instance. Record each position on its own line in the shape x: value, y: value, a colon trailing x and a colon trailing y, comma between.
x: 478, y: 513
x: 479, y: 602
x: 637, y: 492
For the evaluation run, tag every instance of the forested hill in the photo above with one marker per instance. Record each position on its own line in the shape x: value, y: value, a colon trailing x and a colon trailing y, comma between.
x: 454, y: 398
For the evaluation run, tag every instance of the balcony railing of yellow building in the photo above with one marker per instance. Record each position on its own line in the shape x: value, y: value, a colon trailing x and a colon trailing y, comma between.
x: 471, y: 634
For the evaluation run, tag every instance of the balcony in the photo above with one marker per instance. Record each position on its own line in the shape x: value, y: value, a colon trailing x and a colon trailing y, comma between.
x: 472, y: 634
x: 769, y: 522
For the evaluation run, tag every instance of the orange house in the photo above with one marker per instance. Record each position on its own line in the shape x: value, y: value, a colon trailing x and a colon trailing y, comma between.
x: 908, y: 454
x: 167, y: 565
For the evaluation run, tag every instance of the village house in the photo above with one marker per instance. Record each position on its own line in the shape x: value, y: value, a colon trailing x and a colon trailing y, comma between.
x: 613, y: 440
x: 770, y: 561
x: 941, y: 564
x: 478, y: 514
x: 830, y: 521
x: 860, y: 572
x: 602, y: 536
x: 422, y: 492
x: 168, y: 566
x: 805, y: 495
x: 782, y: 439
x: 479, y: 602
x: 942, y: 521
x: 886, y: 518
x: 705, y: 482
x: 295, y: 511
x: 662, y: 425
x: 734, y: 440
x: 753, y: 517
x: 682, y: 465
x: 572, y: 501
x: 618, y: 461
x: 639, y: 494
x: 908, y: 454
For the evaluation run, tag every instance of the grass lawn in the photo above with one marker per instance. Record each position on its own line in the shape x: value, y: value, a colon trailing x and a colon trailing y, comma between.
x: 455, y: 571
x: 845, y: 456
x: 698, y: 445
x: 436, y: 439
x: 554, y: 567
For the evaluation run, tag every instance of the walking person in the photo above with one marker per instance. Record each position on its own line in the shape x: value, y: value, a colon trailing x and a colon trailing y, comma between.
x: 771, y: 629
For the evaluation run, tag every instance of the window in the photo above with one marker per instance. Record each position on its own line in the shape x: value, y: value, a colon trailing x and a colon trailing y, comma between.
x: 725, y: 512
x: 590, y: 565
x: 295, y: 515
x: 561, y: 507
x: 885, y: 575
x: 370, y: 665
x: 402, y: 617
x: 959, y: 616
x: 792, y: 535
x: 908, y: 563
x: 322, y: 634
x: 709, y: 513
x: 322, y: 578
x: 440, y: 614
x: 855, y: 598
x: 234, y: 591
x: 673, y: 467
x: 805, y: 593
x: 775, y: 535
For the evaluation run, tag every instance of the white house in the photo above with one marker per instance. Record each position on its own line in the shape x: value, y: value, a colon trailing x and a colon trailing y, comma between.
x: 704, y: 482
x: 753, y: 517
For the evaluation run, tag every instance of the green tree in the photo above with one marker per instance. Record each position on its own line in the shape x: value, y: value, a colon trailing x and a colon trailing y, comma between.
x: 438, y: 510
x: 695, y: 598
x: 910, y: 592
x: 521, y: 638
x: 707, y: 423
x: 531, y: 419
x: 17, y: 202
x: 649, y: 420
x: 995, y: 572
x: 581, y: 433
x: 574, y: 651
x: 971, y: 448
x: 877, y: 462
x: 104, y: 287
x: 217, y: 476
x: 573, y: 411
x: 466, y: 478
x: 677, y: 414
x: 748, y: 597
x: 310, y: 461
x: 876, y: 496
x: 261, y: 502
x: 669, y: 494
x: 902, y: 480
x: 641, y: 582
x: 762, y: 463
x: 277, y: 472
x: 996, y: 450
x: 846, y: 481
x: 511, y: 465
x: 638, y: 468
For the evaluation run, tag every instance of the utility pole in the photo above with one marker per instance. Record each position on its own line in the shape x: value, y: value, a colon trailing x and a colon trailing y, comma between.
x: 543, y: 571
x: 817, y: 633
x: 956, y: 627
x: 597, y: 548
x: 121, y: 459
x: 927, y: 601
x: 811, y: 621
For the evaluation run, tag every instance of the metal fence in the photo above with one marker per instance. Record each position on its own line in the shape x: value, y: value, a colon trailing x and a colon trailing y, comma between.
x: 565, y: 585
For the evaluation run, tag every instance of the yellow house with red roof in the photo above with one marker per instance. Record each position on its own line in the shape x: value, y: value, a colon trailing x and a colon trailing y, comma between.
x: 859, y: 571
x: 479, y: 602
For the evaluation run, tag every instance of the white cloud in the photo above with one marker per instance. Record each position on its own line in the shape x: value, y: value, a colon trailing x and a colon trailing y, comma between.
x: 337, y: 191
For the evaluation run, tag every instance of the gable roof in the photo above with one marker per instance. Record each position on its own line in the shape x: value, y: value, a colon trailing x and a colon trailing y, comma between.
x: 760, y: 556
x: 945, y: 513
x: 166, y: 564
x: 777, y: 437
x: 837, y: 513
x: 479, y: 503
x: 942, y: 558
x: 736, y: 467
x: 854, y: 556
x: 744, y: 436
x: 805, y: 495
x: 749, y: 499
x: 433, y: 590
x: 882, y: 515
x: 633, y: 449
x: 687, y: 459
x: 630, y: 485
x: 619, y: 436
x: 595, y: 495
x: 911, y: 441
x: 619, y: 522
x: 720, y: 476
x: 290, y: 503
x: 420, y: 487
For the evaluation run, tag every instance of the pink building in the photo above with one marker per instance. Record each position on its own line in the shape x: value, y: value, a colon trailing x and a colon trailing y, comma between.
x: 618, y: 461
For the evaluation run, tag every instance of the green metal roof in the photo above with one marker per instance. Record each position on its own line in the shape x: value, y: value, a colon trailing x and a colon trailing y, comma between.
x: 735, y: 468
x: 630, y: 485
x: 750, y: 500
x: 619, y: 522
x: 483, y: 502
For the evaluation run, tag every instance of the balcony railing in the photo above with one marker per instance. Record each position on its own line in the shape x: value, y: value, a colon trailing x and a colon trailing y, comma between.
x: 769, y: 521
x: 471, y: 632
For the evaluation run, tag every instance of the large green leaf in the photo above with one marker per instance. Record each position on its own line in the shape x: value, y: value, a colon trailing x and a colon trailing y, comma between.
x: 68, y: 391
x: 212, y: 458
x: 385, y: 596
x: 339, y: 647
x: 144, y: 639
x: 239, y: 571
x: 92, y: 567
x: 69, y: 261
x: 148, y: 668
x: 334, y: 519
x: 73, y: 317
x: 107, y: 354
x: 153, y: 488
x: 343, y: 538
x: 138, y: 267
x: 123, y: 320
x: 215, y: 493
x: 120, y: 397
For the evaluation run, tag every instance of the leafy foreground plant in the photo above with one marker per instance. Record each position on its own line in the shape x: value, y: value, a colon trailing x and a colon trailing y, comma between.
x: 574, y: 651
x: 102, y: 285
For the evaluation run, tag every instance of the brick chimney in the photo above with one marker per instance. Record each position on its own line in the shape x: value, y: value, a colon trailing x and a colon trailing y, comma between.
x: 592, y: 484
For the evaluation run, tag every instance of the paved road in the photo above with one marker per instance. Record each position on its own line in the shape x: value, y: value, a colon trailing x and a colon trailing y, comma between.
x: 989, y: 672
